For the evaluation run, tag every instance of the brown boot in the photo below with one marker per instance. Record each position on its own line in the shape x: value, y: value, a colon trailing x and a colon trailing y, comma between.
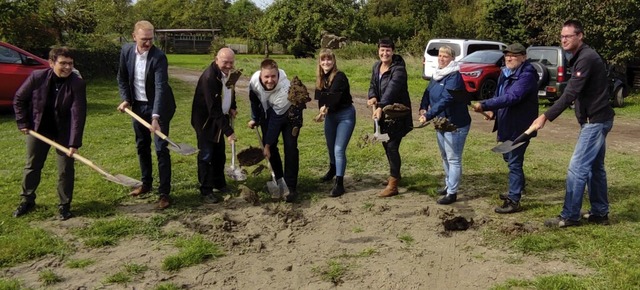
x: 391, y: 189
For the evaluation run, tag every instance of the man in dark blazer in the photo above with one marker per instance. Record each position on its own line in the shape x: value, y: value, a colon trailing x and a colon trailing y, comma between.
x: 214, y: 106
x: 143, y: 82
x: 53, y: 103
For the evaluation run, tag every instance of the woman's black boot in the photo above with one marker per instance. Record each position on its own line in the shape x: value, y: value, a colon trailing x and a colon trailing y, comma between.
x: 338, y: 187
x: 330, y: 174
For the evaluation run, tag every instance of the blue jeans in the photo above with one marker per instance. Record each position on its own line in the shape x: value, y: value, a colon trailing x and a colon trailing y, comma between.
x: 515, y: 160
x: 338, y: 127
x: 451, y: 145
x: 586, y: 168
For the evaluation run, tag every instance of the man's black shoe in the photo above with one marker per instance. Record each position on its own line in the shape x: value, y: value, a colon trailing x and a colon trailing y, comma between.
x: 509, y: 206
x: 65, y: 212
x: 210, y: 198
x: 24, y: 208
x: 448, y: 199
x: 291, y: 197
x: 596, y: 219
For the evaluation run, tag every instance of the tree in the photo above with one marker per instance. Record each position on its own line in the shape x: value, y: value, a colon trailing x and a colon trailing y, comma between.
x: 298, y: 24
x: 243, y: 16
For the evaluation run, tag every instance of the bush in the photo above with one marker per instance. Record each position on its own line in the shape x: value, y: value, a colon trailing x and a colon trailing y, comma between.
x: 357, y: 50
x: 96, y: 55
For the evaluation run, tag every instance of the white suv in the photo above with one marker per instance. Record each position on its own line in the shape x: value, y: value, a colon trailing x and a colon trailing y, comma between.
x: 461, y: 47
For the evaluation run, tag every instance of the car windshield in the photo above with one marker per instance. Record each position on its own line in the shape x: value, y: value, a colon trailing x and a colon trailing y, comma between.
x: 483, y: 56
x: 434, y: 47
x: 545, y: 56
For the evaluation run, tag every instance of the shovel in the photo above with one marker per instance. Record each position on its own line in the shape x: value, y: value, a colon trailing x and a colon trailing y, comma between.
x: 272, y: 185
x: 508, y: 146
x: 377, y: 136
x: 463, y: 96
x: 184, y: 149
x: 234, y: 172
x: 118, y: 178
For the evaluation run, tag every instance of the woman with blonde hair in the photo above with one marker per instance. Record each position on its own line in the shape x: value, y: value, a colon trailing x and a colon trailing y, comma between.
x: 336, y: 104
x: 438, y: 102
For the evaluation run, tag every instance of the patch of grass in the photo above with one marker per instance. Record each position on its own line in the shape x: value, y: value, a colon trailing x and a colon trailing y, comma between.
x: 108, y: 232
x: 368, y: 206
x: 10, y: 284
x: 169, y: 286
x: 48, y: 277
x: 193, y: 251
x: 333, y: 272
x: 32, y: 243
x: 561, y: 281
x: 127, y: 274
x: 406, y: 238
x: 357, y: 230
x: 80, y: 263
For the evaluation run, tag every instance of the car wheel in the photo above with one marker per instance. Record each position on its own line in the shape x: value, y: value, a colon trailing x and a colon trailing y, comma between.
x: 487, y: 89
x: 543, y: 74
x: 618, y: 97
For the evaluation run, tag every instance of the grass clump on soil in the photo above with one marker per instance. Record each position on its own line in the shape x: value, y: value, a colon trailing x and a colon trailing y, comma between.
x: 10, y: 284
x: 127, y: 274
x: 167, y: 286
x: 80, y: 263
x: 193, y: 251
x: 332, y: 272
x: 108, y: 232
x: 48, y: 277
x: 406, y: 238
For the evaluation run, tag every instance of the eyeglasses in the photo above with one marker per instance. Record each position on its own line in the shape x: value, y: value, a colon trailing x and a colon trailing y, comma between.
x: 65, y: 63
x: 567, y: 36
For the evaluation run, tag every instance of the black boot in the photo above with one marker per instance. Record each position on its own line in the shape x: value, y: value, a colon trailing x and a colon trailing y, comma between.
x: 330, y: 174
x: 338, y: 187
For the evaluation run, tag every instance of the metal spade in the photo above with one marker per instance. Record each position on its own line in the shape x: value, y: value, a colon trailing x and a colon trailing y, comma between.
x: 118, y: 178
x: 508, y: 146
x: 235, y: 173
x: 272, y: 185
x: 184, y: 149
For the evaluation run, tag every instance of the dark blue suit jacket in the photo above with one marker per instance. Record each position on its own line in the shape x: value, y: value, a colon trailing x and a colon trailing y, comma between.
x: 157, y: 87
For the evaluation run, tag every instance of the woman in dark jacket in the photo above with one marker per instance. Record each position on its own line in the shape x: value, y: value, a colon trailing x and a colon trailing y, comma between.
x: 388, y: 87
x: 438, y: 102
x: 335, y: 102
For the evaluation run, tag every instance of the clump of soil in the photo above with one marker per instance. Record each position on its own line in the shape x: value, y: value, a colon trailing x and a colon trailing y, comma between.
x: 250, y: 156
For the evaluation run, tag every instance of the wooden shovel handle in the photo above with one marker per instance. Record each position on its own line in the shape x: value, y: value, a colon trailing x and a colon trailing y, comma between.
x: 67, y: 151
x: 145, y: 123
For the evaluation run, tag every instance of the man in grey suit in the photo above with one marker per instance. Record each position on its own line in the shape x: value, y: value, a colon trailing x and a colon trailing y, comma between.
x: 143, y: 82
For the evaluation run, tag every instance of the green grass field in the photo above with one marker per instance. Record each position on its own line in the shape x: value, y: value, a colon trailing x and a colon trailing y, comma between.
x: 613, y: 252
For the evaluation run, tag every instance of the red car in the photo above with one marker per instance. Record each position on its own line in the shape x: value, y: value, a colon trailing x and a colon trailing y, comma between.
x: 480, y: 71
x: 15, y: 66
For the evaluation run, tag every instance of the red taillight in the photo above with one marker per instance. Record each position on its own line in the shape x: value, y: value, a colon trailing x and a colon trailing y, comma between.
x: 560, y: 74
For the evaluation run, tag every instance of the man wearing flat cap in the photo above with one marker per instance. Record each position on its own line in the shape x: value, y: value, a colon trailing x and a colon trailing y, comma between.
x: 514, y: 106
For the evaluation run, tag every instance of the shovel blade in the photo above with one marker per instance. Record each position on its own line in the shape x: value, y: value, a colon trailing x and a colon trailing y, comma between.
x: 506, y: 147
x: 273, y: 189
x: 123, y: 180
x: 236, y: 174
x: 381, y: 137
x: 184, y: 149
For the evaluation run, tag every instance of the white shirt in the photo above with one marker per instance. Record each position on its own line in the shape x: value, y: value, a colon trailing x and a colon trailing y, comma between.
x: 226, y: 95
x: 139, y: 74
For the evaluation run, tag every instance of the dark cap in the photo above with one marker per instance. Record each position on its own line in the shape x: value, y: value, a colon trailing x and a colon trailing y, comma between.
x: 516, y: 48
x: 386, y: 42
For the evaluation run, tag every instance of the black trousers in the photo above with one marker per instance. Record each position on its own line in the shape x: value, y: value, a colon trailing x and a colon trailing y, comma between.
x: 211, y: 160
x: 279, y: 124
x: 143, y: 145
x: 392, y: 150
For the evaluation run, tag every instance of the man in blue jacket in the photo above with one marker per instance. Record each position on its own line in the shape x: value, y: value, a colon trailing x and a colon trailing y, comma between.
x: 514, y: 107
x: 143, y: 83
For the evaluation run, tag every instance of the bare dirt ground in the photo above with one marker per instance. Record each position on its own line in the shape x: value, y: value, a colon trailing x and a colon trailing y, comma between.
x: 394, y: 243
